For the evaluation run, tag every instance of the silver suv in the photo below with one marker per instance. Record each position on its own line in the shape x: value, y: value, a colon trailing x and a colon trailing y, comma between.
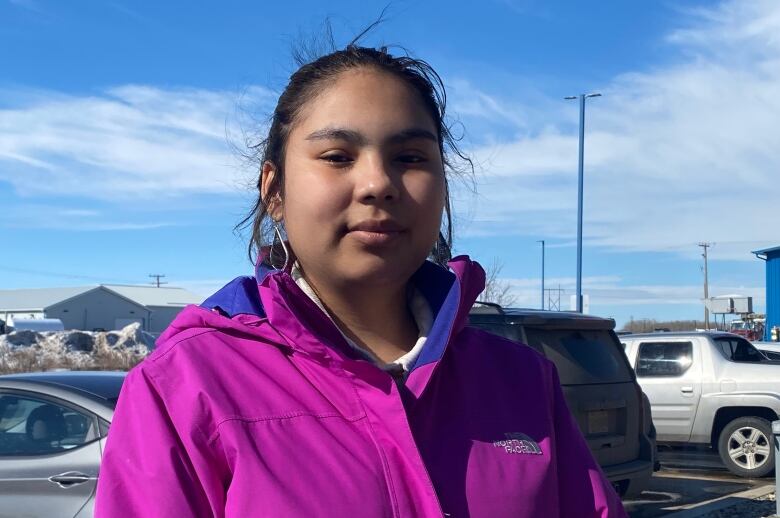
x: 710, y: 388
x: 598, y: 383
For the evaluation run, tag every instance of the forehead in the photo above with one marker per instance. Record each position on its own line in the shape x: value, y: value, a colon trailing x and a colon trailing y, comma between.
x: 368, y: 100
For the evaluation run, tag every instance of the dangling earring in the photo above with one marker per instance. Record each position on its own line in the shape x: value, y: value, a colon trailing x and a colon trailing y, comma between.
x: 441, y: 251
x: 278, y: 237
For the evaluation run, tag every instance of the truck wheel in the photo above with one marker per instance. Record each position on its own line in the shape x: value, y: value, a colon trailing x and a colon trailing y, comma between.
x: 745, y: 446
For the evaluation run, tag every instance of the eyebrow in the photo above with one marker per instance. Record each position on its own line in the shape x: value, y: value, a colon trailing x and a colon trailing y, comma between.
x: 357, y: 138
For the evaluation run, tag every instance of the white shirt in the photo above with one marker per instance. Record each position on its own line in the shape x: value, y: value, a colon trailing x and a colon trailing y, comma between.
x: 419, y: 308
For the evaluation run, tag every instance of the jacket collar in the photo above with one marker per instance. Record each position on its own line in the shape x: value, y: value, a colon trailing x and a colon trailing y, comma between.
x: 274, y: 295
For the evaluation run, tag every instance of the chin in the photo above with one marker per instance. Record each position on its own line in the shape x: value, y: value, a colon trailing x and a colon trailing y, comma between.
x: 381, y: 270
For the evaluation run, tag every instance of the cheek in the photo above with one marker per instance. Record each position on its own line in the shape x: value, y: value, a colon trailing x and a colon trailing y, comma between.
x: 428, y: 193
x: 312, y: 205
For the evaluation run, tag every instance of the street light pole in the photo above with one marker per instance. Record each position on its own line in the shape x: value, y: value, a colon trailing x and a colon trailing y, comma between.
x: 542, y: 242
x: 580, y: 182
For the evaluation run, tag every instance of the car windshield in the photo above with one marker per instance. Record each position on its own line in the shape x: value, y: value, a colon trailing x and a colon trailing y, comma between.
x: 737, y: 349
x: 582, y: 356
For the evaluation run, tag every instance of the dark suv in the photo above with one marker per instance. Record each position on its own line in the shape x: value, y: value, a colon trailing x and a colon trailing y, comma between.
x: 598, y: 383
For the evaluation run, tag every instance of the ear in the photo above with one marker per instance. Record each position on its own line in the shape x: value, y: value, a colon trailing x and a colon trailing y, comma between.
x: 274, y: 205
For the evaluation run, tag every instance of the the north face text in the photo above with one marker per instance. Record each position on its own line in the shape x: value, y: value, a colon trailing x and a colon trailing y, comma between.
x: 518, y: 443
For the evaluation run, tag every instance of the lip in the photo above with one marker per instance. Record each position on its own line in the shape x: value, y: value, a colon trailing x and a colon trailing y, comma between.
x: 377, y: 225
x: 376, y: 232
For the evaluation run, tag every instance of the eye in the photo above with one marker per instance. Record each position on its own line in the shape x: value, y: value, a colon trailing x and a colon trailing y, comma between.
x: 336, y: 158
x: 411, y: 159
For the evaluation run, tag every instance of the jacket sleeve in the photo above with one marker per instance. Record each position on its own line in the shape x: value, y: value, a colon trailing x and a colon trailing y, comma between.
x: 582, y: 487
x: 150, y: 467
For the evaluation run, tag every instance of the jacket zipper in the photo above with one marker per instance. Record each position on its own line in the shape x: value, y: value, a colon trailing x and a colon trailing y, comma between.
x: 419, y: 458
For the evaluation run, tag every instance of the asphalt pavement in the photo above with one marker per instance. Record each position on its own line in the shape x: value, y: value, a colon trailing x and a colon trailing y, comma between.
x: 688, y: 476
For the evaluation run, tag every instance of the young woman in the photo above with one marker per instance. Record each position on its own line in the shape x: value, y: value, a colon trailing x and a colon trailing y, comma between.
x: 341, y: 380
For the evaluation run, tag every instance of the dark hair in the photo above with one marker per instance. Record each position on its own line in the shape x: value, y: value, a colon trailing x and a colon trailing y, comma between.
x: 305, y: 83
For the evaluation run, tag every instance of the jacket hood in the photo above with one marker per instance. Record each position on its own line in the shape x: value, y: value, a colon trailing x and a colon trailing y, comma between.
x: 245, y: 303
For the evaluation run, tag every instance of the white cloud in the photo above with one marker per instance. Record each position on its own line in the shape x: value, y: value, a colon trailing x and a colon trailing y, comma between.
x: 30, y: 5
x: 684, y: 153
x: 203, y: 287
x: 613, y: 291
x: 53, y: 217
x: 124, y: 143
x: 675, y: 155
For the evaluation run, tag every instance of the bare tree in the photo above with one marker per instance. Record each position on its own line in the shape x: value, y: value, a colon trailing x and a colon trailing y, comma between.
x: 497, y: 290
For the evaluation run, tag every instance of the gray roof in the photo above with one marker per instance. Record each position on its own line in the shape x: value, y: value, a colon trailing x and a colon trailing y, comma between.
x: 154, y: 296
x: 37, y: 299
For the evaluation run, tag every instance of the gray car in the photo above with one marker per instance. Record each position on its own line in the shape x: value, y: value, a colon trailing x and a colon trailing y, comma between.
x: 53, y: 427
x: 600, y: 388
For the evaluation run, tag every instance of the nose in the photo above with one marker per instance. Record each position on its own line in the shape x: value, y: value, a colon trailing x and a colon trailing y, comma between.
x: 376, y: 181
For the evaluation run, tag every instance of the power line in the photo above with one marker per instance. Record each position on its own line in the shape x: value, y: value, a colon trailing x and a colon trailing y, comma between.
x: 61, y: 275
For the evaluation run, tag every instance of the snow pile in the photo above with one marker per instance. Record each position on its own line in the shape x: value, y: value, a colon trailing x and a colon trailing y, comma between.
x: 27, y: 351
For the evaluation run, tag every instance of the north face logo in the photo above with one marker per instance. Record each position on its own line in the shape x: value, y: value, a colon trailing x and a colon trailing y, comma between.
x: 517, y: 442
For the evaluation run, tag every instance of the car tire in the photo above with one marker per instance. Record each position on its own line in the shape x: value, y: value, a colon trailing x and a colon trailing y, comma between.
x: 745, y: 447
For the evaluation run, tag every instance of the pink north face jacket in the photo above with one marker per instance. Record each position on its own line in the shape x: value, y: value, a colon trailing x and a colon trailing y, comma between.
x: 254, y: 405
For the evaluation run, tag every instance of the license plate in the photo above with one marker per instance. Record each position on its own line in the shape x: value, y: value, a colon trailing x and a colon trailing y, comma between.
x: 598, y: 422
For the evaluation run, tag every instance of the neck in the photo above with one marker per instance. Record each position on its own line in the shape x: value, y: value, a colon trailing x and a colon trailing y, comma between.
x: 376, y: 318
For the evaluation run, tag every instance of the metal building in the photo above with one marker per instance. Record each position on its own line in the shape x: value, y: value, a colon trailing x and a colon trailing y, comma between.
x: 106, y: 306
x: 772, y: 258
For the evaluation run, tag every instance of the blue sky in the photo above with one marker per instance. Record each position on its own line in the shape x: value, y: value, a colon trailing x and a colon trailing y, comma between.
x: 116, y: 120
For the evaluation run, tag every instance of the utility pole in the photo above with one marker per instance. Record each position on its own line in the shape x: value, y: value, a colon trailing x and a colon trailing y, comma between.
x: 580, y: 183
x: 705, y: 246
x: 542, y: 242
x: 157, y: 278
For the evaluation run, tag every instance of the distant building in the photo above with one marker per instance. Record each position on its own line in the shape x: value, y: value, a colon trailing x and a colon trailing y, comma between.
x: 772, y: 258
x: 106, y: 306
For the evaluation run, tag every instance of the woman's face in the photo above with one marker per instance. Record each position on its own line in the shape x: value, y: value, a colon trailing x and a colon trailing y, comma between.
x: 364, y: 182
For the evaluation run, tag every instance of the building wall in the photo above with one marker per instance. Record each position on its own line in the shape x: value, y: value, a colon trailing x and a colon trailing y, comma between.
x: 161, y: 318
x: 772, y: 291
x: 97, y: 309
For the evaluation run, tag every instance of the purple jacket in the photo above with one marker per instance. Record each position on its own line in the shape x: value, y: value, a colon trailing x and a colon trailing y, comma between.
x: 254, y: 405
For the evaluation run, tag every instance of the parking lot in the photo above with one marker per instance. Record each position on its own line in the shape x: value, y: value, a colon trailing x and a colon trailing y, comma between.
x: 689, y: 477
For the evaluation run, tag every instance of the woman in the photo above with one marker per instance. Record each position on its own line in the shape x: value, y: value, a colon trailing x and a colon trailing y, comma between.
x: 341, y: 379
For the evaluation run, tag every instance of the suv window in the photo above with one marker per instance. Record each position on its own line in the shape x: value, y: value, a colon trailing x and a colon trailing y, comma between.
x: 664, y: 359
x: 586, y: 356
x: 772, y: 355
x: 32, y: 426
x: 737, y: 349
